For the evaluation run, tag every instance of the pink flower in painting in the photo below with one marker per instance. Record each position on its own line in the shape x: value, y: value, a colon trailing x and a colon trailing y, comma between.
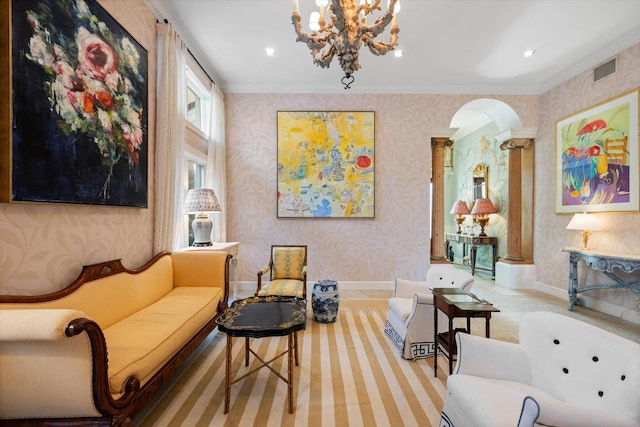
x: 95, y: 57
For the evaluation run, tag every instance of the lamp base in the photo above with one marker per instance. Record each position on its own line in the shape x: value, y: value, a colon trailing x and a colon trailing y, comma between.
x: 585, y: 239
x: 199, y: 245
x: 459, y: 220
x: 483, y: 223
x: 201, y: 227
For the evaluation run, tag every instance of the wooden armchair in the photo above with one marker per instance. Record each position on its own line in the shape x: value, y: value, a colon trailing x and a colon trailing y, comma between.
x: 288, y: 268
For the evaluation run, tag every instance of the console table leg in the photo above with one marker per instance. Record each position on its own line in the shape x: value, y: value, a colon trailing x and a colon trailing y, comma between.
x: 573, y: 284
x: 474, y: 252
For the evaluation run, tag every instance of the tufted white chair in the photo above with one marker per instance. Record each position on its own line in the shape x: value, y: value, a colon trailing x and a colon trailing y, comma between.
x: 410, y: 317
x: 578, y: 374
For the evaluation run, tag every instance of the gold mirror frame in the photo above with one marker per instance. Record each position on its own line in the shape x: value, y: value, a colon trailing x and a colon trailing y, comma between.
x: 480, y: 184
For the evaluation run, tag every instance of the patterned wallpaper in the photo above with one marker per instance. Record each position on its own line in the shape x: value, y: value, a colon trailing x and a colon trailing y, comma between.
x: 396, y: 243
x: 44, y: 246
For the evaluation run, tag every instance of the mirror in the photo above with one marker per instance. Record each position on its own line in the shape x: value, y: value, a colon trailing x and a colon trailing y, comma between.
x: 480, y: 182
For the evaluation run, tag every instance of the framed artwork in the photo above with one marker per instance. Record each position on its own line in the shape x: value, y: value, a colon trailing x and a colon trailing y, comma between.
x: 78, y: 93
x: 326, y: 164
x: 597, y: 158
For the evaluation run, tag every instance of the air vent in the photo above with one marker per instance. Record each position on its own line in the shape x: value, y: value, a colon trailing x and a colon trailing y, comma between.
x: 604, y: 70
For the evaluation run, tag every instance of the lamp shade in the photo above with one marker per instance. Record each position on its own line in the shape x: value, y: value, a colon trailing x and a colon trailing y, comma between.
x: 460, y: 208
x: 201, y: 200
x: 583, y: 221
x: 483, y: 207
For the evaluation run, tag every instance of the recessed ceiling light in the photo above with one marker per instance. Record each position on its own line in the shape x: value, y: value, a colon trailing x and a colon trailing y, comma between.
x: 398, y: 53
x: 270, y: 51
x: 528, y: 53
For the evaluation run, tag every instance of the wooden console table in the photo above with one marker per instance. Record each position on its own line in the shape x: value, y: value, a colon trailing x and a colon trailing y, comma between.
x: 474, y: 242
x: 603, y: 261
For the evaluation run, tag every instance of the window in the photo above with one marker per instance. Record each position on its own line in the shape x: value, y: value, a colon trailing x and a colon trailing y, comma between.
x: 197, y: 123
x: 198, y: 103
x: 195, y: 171
x: 194, y: 109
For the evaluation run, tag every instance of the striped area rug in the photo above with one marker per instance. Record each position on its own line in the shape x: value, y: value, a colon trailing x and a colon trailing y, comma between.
x: 350, y: 374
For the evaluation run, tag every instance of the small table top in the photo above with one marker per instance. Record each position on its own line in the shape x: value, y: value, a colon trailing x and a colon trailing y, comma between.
x: 268, y: 316
x: 463, y: 300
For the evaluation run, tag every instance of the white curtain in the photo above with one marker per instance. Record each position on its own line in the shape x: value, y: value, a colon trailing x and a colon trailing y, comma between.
x: 169, y: 150
x: 216, y: 163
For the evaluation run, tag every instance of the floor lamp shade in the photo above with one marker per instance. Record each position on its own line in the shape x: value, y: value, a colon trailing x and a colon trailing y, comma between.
x: 201, y: 202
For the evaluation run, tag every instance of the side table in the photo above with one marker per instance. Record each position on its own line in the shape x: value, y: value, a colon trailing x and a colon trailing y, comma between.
x: 455, y: 302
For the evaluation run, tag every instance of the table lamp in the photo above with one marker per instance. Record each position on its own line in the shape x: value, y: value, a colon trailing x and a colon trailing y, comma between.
x: 481, y: 210
x: 586, y: 223
x: 460, y: 208
x: 200, y: 202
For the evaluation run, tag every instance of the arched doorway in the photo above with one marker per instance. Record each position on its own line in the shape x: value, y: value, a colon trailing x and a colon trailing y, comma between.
x: 486, y: 133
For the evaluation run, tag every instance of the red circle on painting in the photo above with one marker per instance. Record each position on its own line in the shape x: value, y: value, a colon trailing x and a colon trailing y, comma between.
x: 363, y: 161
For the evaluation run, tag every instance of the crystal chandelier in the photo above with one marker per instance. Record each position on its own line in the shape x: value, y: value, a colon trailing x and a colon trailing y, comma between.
x: 346, y: 31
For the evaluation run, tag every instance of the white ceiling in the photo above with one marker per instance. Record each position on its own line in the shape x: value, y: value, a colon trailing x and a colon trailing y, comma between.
x: 450, y: 46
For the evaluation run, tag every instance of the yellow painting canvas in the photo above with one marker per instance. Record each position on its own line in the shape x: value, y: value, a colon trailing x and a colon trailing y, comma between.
x: 326, y: 164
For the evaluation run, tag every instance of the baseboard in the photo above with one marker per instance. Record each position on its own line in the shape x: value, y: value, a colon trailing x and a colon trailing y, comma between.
x: 351, y: 285
x: 624, y: 313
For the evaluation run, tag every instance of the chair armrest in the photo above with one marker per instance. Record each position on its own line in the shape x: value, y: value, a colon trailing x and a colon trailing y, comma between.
x: 45, y: 371
x: 423, y: 299
x: 408, y: 288
x: 490, y: 358
x: 36, y: 324
x: 264, y: 271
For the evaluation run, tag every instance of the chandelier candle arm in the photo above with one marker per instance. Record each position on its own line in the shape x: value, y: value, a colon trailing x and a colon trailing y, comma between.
x: 345, y: 33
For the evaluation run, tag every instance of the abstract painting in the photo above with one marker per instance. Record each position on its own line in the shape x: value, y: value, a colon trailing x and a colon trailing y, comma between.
x: 597, y: 158
x: 326, y: 164
x: 79, y: 98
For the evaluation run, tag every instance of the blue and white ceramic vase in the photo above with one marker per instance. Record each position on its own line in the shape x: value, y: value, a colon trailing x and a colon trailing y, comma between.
x: 325, y: 301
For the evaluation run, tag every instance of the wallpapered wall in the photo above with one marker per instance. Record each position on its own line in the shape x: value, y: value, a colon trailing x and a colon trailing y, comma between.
x: 394, y: 244
x: 623, y: 230
x: 44, y: 246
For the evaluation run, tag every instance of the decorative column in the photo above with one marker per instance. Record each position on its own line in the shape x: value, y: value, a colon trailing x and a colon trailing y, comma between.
x: 438, y: 145
x: 520, y: 217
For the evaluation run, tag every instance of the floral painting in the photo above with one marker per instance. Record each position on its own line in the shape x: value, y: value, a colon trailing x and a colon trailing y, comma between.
x: 79, y: 106
x: 597, y: 158
x: 326, y: 164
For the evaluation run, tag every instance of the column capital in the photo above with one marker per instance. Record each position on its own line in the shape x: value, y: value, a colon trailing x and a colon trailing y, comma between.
x: 441, y: 142
x: 517, y: 143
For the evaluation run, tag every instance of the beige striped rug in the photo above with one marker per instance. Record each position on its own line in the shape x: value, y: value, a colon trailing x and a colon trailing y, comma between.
x: 350, y: 374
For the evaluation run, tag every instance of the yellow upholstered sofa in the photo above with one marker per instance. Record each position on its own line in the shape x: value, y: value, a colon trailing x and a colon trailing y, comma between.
x: 96, y: 351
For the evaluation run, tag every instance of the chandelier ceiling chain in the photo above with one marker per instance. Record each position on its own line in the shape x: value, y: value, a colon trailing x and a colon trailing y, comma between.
x: 346, y: 31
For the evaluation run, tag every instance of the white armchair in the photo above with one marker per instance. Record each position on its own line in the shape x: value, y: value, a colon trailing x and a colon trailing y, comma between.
x: 410, y: 317
x: 578, y: 374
